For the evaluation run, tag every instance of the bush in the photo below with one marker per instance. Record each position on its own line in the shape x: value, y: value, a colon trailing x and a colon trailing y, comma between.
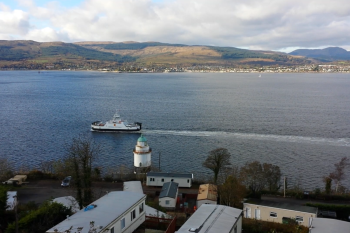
x: 39, y: 221
x: 39, y: 175
x: 257, y: 226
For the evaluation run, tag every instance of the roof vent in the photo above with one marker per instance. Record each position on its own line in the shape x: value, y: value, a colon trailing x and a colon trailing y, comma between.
x: 193, y: 229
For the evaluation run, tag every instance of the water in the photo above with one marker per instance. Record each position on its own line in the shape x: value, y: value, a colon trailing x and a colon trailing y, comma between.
x: 299, y: 122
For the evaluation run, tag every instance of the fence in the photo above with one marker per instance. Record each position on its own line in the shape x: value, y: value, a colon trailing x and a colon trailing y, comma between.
x: 160, y: 224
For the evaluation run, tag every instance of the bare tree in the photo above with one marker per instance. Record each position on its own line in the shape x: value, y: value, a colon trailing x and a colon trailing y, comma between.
x: 6, y: 169
x: 338, y: 174
x: 46, y: 167
x: 80, y: 156
x: 252, y: 175
x: 217, y: 160
x: 232, y: 192
x: 328, y: 184
x: 273, y: 176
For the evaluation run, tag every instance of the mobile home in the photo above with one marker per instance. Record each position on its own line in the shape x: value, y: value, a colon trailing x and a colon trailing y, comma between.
x: 214, y: 219
x: 207, y: 194
x: 116, y: 212
x: 168, y: 195
x: 159, y: 178
x: 280, y: 212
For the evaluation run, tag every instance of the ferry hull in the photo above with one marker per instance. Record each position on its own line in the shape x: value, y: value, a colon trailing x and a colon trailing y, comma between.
x: 113, y: 130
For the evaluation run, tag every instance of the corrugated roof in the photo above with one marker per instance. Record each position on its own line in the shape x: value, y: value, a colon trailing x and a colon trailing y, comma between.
x: 207, y: 192
x: 167, y: 174
x: 212, y: 219
x: 108, y: 208
x: 169, y: 189
x: 284, y: 205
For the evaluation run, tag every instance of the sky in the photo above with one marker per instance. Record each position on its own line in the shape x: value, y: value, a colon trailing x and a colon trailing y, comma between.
x: 279, y: 25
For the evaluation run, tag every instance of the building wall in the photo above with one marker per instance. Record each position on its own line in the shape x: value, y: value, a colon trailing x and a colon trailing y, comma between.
x: 159, y: 181
x: 201, y: 202
x: 172, y: 202
x: 265, y: 213
x: 130, y: 225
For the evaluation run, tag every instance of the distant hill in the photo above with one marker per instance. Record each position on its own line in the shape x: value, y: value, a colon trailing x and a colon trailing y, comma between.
x: 327, y: 54
x: 31, y: 54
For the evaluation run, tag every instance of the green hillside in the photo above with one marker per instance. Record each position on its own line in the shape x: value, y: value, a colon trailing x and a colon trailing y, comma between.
x: 31, y: 54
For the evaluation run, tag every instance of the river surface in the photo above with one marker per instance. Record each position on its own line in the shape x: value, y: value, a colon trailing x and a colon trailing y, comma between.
x: 300, y: 122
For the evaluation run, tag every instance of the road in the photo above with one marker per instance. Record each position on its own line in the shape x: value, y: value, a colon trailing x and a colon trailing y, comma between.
x: 43, y: 190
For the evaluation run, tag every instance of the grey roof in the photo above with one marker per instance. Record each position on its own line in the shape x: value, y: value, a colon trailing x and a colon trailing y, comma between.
x: 167, y: 174
x: 212, y: 218
x: 108, y: 208
x: 284, y: 205
x: 326, y: 225
x: 133, y: 186
x: 169, y: 189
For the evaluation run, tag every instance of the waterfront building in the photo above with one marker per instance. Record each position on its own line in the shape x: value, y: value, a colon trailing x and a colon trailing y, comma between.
x: 159, y: 178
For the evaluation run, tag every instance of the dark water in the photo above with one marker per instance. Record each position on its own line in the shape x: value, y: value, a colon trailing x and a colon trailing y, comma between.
x: 300, y: 122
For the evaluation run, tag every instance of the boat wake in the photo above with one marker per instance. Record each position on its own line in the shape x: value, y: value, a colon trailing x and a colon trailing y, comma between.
x: 251, y: 136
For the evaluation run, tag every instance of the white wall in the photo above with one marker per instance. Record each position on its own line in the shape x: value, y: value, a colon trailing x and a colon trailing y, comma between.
x: 130, y: 225
x: 266, y: 210
x: 172, y: 202
x: 159, y: 181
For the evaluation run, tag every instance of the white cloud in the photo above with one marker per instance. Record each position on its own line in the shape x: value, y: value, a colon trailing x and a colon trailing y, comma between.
x: 14, y: 22
x: 264, y: 24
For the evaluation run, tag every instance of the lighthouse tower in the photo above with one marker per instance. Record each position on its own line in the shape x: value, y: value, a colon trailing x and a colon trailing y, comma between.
x: 142, y: 154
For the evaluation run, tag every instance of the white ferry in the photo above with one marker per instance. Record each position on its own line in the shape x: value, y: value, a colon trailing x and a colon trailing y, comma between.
x: 115, y: 124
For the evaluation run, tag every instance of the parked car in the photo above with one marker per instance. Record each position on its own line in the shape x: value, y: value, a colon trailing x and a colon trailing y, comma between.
x: 66, y: 181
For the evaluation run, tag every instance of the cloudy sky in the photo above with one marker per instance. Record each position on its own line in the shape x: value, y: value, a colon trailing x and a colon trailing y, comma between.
x: 282, y: 25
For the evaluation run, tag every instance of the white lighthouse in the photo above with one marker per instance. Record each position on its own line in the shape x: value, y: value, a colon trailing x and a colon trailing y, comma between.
x: 142, y: 153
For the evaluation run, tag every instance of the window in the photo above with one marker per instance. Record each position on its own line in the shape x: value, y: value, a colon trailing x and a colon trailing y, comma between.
x: 133, y: 215
x: 299, y: 218
x: 122, y: 224
x: 235, y: 229
x: 172, y: 179
x: 188, y: 180
x: 248, y: 213
x: 141, y: 208
x: 167, y: 202
x: 273, y: 214
x: 112, y: 230
x: 150, y: 179
x: 162, y: 180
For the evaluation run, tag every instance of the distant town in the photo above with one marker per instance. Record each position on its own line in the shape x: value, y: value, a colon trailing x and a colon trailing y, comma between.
x: 314, y: 68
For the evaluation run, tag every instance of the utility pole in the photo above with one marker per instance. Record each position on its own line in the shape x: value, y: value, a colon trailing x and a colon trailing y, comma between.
x: 284, y: 186
x: 15, y: 197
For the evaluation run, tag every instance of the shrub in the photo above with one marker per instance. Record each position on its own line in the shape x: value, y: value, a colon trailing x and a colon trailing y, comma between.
x: 39, y: 221
x: 257, y: 226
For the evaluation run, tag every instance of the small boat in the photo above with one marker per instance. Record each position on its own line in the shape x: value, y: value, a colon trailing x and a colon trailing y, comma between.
x: 116, y: 124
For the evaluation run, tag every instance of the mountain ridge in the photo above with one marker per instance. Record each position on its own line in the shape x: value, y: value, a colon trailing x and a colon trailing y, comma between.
x: 96, y: 54
x: 327, y: 54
